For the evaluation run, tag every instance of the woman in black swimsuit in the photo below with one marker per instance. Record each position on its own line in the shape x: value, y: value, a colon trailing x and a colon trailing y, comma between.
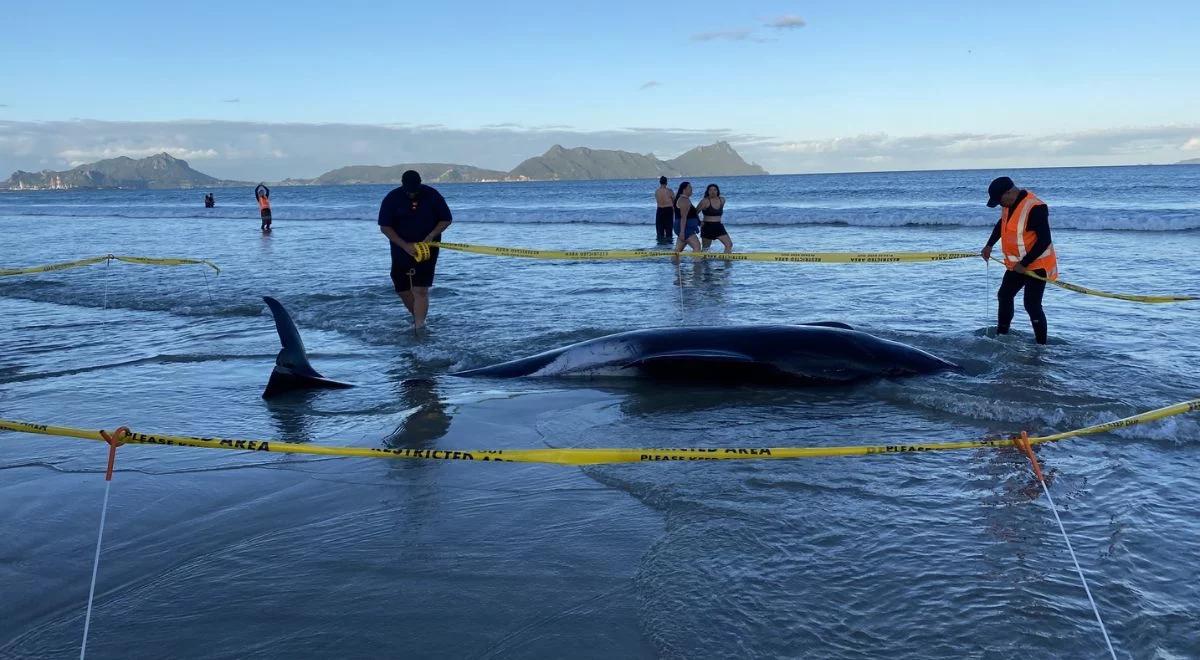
x: 713, y: 207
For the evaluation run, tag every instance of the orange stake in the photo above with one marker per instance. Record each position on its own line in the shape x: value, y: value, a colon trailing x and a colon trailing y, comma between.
x: 1022, y: 443
x: 115, y: 440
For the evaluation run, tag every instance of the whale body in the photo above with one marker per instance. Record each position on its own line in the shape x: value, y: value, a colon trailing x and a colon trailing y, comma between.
x: 826, y: 353
x: 817, y: 353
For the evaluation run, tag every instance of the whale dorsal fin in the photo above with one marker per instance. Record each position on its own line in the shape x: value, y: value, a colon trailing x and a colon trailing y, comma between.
x: 292, y: 370
x: 291, y: 353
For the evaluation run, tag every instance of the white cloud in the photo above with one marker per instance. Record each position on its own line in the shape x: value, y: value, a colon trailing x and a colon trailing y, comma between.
x: 739, y: 34
x: 649, y: 84
x: 18, y: 145
x: 76, y: 157
x: 1117, y: 146
x: 787, y: 22
x: 499, y: 127
x: 258, y: 151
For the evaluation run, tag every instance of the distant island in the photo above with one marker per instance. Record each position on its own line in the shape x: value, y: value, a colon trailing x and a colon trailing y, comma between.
x: 557, y: 164
x: 160, y: 171
x: 1190, y: 161
x: 430, y: 173
x: 582, y: 163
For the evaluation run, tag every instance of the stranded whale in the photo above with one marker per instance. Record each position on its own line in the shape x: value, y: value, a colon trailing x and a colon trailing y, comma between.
x: 809, y: 354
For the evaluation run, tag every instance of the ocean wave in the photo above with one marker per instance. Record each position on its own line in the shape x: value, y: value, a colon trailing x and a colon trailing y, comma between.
x: 1067, y: 218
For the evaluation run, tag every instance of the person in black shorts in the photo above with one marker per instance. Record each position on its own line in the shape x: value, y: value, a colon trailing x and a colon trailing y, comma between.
x: 262, y: 194
x: 664, y: 216
x: 713, y: 208
x: 413, y: 213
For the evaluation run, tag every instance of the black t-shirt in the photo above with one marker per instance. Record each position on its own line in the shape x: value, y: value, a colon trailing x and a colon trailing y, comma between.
x: 413, y: 219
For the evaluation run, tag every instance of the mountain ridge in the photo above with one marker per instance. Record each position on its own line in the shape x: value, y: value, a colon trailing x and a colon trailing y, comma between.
x: 158, y: 171
x: 430, y: 173
x: 558, y: 163
x: 582, y: 163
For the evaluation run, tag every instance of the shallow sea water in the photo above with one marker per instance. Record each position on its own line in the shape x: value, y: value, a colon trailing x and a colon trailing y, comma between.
x: 223, y: 554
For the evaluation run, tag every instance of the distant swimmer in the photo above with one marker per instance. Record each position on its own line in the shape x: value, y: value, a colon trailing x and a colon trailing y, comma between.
x: 413, y: 213
x: 665, y: 214
x: 713, y: 208
x: 263, y: 195
x: 209, y: 201
x: 1024, y: 234
x: 687, y: 219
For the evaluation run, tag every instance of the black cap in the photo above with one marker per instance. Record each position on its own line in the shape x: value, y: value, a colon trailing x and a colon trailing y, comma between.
x: 410, y: 181
x: 998, y: 187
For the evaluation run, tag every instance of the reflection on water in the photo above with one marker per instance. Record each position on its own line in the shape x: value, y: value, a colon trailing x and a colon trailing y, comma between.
x: 428, y: 420
x: 290, y: 415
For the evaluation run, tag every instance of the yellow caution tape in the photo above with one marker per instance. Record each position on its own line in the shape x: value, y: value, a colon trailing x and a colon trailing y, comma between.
x: 160, y: 261
x: 778, y: 257
x: 1106, y: 294
x: 150, y: 261
x: 781, y: 257
x: 52, y: 267
x: 584, y: 456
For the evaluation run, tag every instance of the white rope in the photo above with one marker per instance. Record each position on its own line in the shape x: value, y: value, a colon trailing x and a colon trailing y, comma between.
x: 987, y: 293
x: 208, y: 290
x: 679, y: 276
x: 107, y: 263
x: 87, y: 620
x: 1096, y: 610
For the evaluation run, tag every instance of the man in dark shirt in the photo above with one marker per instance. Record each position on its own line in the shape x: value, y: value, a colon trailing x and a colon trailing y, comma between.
x: 1020, y: 253
x: 413, y: 213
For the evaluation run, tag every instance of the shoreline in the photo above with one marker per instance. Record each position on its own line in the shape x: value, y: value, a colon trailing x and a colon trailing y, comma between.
x: 299, y: 183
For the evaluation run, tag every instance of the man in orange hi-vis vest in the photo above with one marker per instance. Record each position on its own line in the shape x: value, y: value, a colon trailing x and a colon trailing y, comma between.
x: 1024, y: 234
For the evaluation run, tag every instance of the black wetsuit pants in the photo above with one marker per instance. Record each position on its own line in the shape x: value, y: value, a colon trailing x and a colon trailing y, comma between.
x: 664, y: 219
x: 1009, y: 286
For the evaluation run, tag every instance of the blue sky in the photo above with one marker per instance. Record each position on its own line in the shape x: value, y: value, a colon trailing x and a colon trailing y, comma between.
x: 843, y: 85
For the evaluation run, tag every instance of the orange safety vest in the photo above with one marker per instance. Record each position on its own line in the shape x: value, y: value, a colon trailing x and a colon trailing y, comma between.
x: 263, y: 202
x: 1016, y: 241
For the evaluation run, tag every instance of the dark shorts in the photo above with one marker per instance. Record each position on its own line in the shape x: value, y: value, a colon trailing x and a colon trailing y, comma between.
x: 421, y: 273
x: 691, y: 229
x: 711, y: 230
x: 663, y: 217
x: 266, y: 214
